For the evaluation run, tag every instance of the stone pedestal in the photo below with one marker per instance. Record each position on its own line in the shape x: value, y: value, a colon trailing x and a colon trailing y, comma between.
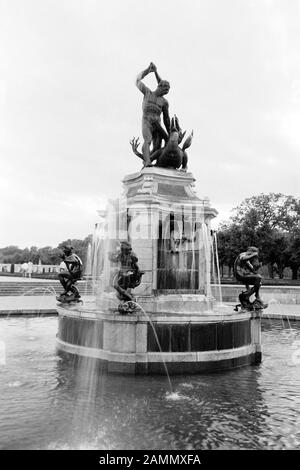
x: 165, y: 214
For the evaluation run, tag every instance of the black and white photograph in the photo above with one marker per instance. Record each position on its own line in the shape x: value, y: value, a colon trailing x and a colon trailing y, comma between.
x: 149, y: 229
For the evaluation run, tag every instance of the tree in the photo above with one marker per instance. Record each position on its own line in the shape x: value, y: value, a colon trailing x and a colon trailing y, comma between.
x: 34, y: 255
x: 273, y: 210
x: 270, y: 222
x: 11, y: 254
x: 293, y: 255
x: 48, y: 255
x: 229, y: 244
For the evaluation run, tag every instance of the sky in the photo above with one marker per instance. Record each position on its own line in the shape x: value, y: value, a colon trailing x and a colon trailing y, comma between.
x: 69, y: 105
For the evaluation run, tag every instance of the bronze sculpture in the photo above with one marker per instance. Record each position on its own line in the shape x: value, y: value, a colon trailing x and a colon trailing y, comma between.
x: 128, y: 277
x: 246, y: 268
x: 70, y: 276
x: 171, y: 155
x: 154, y: 104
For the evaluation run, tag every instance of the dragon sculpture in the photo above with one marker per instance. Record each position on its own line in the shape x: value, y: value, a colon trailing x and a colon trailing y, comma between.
x: 171, y: 155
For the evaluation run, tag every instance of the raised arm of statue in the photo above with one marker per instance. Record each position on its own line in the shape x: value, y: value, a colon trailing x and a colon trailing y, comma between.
x: 248, y: 255
x: 250, y: 266
x: 154, y: 69
x: 141, y: 86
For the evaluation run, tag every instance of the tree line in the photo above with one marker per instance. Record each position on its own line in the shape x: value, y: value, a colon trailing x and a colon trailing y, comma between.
x: 270, y: 222
x: 45, y: 255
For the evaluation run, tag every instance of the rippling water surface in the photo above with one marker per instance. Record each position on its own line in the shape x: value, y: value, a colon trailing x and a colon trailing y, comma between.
x: 47, y: 403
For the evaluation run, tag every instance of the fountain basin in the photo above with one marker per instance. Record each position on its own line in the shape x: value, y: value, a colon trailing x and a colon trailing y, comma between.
x: 194, y: 342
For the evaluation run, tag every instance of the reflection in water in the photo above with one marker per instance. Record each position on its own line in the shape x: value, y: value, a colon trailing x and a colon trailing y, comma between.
x: 49, y: 402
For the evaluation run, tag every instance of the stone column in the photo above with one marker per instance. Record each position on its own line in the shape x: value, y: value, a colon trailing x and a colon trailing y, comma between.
x: 140, y: 235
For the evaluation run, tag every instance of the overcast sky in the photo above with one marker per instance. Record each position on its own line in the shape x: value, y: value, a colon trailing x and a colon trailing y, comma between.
x: 69, y: 105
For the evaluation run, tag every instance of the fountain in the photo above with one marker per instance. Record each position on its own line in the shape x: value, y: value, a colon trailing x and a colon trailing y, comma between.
x: 173, y: 320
